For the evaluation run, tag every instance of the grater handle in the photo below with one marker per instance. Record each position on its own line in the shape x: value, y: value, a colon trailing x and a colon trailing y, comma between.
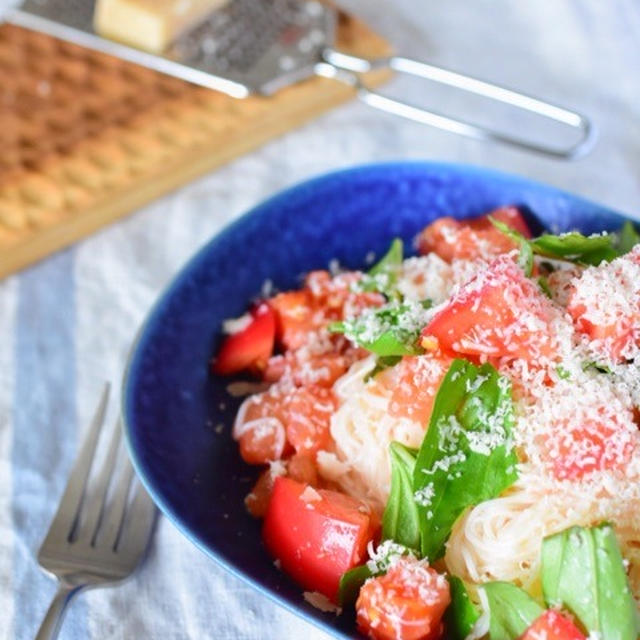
x: 347, y: 68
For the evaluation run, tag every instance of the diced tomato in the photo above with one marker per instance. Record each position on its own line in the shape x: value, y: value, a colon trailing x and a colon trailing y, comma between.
x: 552, y: 625
x: 471, y: 239
x: 407, y: 603
x: 250, y: 347
x: 594, y: 446
x: 307, y: 417
x: 413, y: 384
x: 299, y: 467
x: 269, y: 423
x: 257, y: 501
x: 611, y: 321
x: 498, y: 314
x: 320, y: 364
x: 259, y: 428
x: 338, y: 296
x: 302, y: 468
x: 316, y: 535
x: 294, y: 317
x: 262, y: 441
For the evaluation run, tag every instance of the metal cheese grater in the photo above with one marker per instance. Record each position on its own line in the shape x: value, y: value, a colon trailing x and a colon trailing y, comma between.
x: 260, y: 46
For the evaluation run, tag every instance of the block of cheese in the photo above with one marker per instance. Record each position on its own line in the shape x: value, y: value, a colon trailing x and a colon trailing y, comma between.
x: 150, y: 24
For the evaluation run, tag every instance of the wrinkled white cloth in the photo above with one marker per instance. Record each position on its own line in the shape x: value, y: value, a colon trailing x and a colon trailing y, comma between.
x: 66, y: 324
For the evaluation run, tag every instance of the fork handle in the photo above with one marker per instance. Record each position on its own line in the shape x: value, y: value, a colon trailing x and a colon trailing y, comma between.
x: 52, y: 621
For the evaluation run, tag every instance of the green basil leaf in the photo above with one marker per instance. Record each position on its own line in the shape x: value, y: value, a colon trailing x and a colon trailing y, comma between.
x: 543, y: 283
x: 525, y: 259
x: 388, y: 331
x: 378, y: 564
x: 350, y: 584
x: 393, y: 343
x: 511, y: 610
x: 600, y: 368
x: 628, y: 237
x: 576, y: 247
x: 400, y: 521
x: 382, y: 363
x: 461, y: 615
x: 467, y: 455
x: 582, y: 571
x: 382, y: 277
x: 572, y: 246
x: 391, y: 260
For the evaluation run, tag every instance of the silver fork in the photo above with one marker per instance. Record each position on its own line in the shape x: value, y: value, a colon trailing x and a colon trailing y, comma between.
x: 93, y: 541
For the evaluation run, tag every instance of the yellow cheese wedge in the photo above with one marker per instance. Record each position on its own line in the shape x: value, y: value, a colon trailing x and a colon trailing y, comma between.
x: 150, y: 24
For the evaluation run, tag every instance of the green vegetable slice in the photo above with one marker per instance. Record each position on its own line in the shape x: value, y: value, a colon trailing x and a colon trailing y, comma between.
x: 382, y: 363
x: 400, y: 521
x: 576, y: 247
x: 582, y: 571
x: 467, y: 455
x: 351, y: 583
x: 572, y: 246
x: 382, y: 277
x: 461, y: 615
x: 388, y: 331
x: 511, y: 610
x: 525, y: 260
x: 628, y: 237
x: 352, y: 580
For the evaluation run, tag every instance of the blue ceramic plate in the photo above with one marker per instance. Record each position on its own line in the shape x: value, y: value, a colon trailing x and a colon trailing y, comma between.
x: 172, y: 404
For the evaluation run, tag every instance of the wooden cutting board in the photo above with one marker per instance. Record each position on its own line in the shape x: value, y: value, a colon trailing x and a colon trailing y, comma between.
x: 86, y: 138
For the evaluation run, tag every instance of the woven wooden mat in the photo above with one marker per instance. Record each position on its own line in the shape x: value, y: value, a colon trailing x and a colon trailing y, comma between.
x: 86, y: 138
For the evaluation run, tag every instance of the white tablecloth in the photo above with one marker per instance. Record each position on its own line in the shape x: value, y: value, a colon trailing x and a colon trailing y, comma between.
x: 66, y: 324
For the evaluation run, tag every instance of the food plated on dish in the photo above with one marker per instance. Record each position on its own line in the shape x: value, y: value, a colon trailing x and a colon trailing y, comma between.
x: 178, y: 416
x: 450, y: 441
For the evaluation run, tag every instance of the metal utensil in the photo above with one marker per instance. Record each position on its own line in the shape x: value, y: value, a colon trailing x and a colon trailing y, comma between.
x: 94, y: 541
x: 260, y: 46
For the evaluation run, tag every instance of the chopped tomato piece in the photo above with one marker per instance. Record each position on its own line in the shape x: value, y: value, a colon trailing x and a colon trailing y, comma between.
x: 299, y: 467
x: 611, y: 321
x: 499, y: 313
x: 295, y: 317
x: 262, y: 441
x: 317, y: 535
x: 320, y: 364
x: 407, y: 603
x: 307, y: 416
x: 338, y: 297
x: 471, y: 239
x: 302, y: 468
x: 593, y: 446
x: 259, y: 428
x: 302, y: 414
x: 413, y: 384
x: 249, y: 347
x: 552, y: 625
x: 257, y: 501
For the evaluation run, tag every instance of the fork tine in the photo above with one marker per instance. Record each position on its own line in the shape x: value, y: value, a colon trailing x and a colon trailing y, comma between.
x: 66, y: 516
x: 89, y: 526
x: 112, y: 520
x: 139, y: 519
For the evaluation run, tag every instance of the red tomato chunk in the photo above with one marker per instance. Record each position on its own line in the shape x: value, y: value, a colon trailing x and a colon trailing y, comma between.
x: 552, y: 625
x: 611, y: 321
x: 317, y: 535
x: 251, y: 346
x: 500, y: 313
x: 471, y: 239
x: 270, y: 424
x: 407, y: 603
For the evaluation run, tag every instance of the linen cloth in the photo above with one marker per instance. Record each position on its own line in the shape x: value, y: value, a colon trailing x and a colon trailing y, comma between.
x: 66, y: 324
